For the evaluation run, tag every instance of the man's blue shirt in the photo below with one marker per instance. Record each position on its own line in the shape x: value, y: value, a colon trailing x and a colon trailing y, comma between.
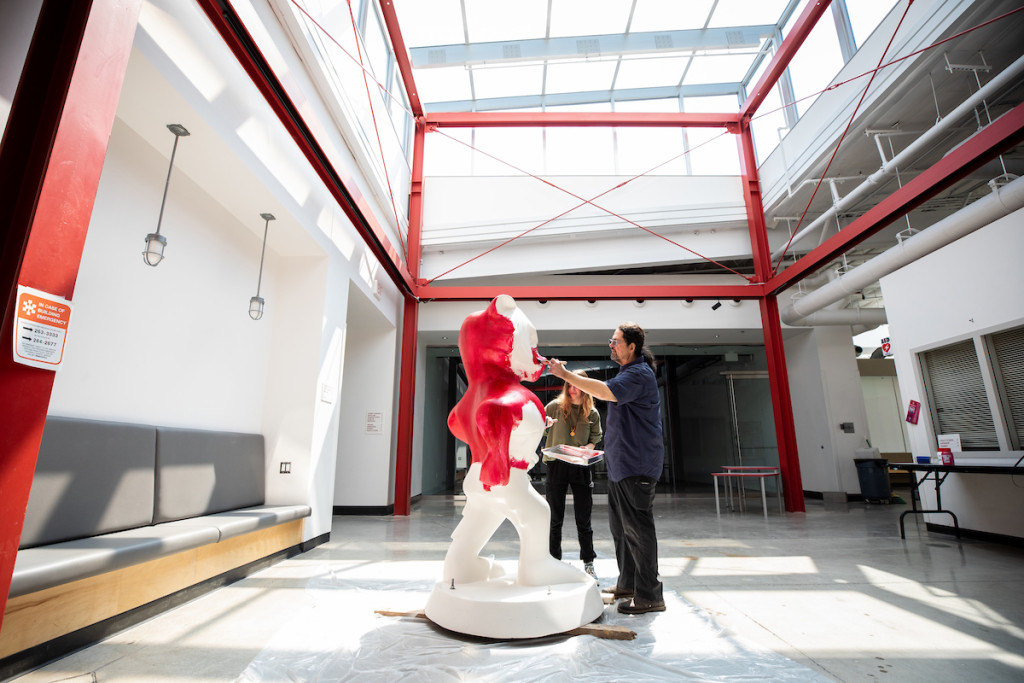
x: 633, y: 444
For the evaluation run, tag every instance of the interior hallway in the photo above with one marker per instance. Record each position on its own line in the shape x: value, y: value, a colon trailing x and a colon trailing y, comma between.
x: 835, y: 590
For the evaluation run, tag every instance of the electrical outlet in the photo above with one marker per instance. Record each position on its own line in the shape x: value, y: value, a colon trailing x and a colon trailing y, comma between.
x: 286, y: 468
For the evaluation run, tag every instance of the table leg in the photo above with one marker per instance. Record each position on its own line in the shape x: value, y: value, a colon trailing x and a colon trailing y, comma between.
x: 764, y: 499
x: 718, y: 511
x: 778, y: 492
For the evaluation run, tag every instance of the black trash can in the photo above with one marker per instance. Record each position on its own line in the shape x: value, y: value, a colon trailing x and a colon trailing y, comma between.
x: 874, y: 479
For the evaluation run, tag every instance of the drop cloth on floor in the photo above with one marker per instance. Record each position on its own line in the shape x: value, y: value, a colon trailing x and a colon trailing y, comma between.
x: 339, y: 637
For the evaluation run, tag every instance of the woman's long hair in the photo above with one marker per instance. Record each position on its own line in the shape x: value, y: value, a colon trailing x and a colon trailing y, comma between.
x: 565, y: 403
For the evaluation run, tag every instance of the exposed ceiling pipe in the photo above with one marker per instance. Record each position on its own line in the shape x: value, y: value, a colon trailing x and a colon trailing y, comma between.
x: 1001, y: 202
x: 1003, y: 79
x: 870, y: 318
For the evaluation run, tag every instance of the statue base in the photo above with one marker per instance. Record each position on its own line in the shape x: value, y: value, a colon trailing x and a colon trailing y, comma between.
x: 501, y: 608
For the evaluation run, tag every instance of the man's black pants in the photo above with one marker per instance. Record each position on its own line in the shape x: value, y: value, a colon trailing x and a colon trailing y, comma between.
x: 631, y: 518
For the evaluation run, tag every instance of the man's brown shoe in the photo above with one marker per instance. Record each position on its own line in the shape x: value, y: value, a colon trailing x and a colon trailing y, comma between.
x: 617, y: 592
x: 641, y: 606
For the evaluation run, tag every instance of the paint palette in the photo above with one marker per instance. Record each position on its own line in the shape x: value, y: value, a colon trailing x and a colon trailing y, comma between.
x: 574, y: 454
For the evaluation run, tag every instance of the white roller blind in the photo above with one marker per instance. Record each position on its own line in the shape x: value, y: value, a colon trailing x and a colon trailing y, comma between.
x: 956, y: 394
x: 1008, y: 347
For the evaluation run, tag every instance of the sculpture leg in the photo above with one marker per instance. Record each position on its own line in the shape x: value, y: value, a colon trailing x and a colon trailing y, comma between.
x: 480, y: 519
x: 531, y: 517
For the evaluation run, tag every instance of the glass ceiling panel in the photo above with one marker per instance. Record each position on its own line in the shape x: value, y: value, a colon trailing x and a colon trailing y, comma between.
x: 590, y: 106
x: 444, y: 84
x: 650, y: 72
x: 579, y: 76
x: 518, y: 147
x: 713, y: 104
x: 588, y: 17
x: 745, y: 12
x: 718, y: 69
x: 865, y: 15
x: 652, y: 151
x: 438, y: 22
x: 507, y: 81
x: 815, y: 64
x: 488, y: 21
x: 670, y: 15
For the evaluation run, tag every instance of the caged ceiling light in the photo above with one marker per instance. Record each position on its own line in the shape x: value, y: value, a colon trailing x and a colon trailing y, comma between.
x: 155, y: 242
x: 256, y: 302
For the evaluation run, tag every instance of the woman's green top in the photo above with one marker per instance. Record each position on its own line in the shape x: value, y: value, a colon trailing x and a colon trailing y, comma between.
x: 574, y: 430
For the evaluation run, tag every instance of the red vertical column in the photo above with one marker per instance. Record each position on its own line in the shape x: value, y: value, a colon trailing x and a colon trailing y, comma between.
x: 782, y: 405
x: 51, y: 159
x: 778, y: 377
x: 410, y: 332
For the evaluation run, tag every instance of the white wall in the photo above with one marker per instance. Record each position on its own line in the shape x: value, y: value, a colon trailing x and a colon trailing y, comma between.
x: 885, y: 411
x: 825, y: 388
x: 364, y: 476
x: 965, y: 290
x: 171, y: 345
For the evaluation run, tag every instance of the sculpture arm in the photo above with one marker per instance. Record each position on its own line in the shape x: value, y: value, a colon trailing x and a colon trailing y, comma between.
x: 495, y: 422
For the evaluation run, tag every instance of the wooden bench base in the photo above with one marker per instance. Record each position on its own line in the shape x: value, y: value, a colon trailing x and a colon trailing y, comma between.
x: 36, y: 618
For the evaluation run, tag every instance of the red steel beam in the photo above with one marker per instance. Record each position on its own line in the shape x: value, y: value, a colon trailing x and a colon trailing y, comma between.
x: 579, y: 119
x: 410, y: 332
x: 782, y: 405
x: 65, y: 103
x: 1002, y: 134
x: 759, y: 248
x: 387, y: 8
x: 406, y: 404
x: 586, y: 293
x: 771, y: 325
x: 232, y: 30
x: 792, y: 42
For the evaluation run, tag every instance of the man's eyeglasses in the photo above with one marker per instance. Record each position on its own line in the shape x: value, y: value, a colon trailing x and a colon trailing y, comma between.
x: 613, y: 342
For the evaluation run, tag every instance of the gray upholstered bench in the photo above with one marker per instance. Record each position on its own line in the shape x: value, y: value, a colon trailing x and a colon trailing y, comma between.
x: 108, y: 495
x: 169, y: 506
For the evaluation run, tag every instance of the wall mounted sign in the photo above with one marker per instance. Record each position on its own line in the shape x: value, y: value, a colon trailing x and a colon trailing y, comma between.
x: 40, y: 328
x: 886, y: 347
x: 374, y: 423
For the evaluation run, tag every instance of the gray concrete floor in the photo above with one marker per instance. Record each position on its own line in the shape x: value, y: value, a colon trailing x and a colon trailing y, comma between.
x: 834, y: 589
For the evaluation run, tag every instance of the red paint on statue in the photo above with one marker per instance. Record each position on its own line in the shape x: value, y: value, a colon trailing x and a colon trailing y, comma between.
x: 494, y: 400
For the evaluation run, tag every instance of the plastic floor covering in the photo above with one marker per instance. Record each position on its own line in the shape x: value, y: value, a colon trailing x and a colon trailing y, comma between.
x: 337, y: 636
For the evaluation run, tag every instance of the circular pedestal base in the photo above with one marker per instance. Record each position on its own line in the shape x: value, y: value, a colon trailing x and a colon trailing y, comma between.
x: 500, y: 608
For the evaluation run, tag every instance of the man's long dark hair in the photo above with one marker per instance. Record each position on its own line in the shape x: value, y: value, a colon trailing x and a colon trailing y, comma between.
x: 634, y: 334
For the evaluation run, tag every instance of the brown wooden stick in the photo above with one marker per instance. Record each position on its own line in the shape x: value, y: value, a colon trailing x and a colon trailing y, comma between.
x: 606, y: 631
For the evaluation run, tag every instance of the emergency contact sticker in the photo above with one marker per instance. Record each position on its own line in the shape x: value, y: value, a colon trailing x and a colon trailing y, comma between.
x: 40, y: 328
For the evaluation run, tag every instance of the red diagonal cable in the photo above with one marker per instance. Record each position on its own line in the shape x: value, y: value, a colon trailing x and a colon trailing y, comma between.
x: 366, y: 72
x: 376, y: 130
x: 596, y: 206
x: 849, y: 123
x: 892, y: 63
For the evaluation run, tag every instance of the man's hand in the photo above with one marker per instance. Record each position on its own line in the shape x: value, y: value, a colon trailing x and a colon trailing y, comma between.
x: 557, y: 368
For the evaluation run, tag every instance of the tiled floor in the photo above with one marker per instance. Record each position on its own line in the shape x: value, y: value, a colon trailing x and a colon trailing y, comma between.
x: 834, y: 589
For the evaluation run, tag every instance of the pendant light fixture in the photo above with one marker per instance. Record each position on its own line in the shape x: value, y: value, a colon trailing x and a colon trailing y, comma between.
x: 155, y: 242
x: 256, y: 302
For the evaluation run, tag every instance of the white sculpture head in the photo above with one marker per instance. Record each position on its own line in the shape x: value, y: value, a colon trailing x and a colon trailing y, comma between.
x: 524, y: 359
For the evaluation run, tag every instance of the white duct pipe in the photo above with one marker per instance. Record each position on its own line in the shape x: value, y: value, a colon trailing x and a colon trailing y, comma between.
x: 1002, y: 79
x: 870, y: 318
x: 1001, y: 202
